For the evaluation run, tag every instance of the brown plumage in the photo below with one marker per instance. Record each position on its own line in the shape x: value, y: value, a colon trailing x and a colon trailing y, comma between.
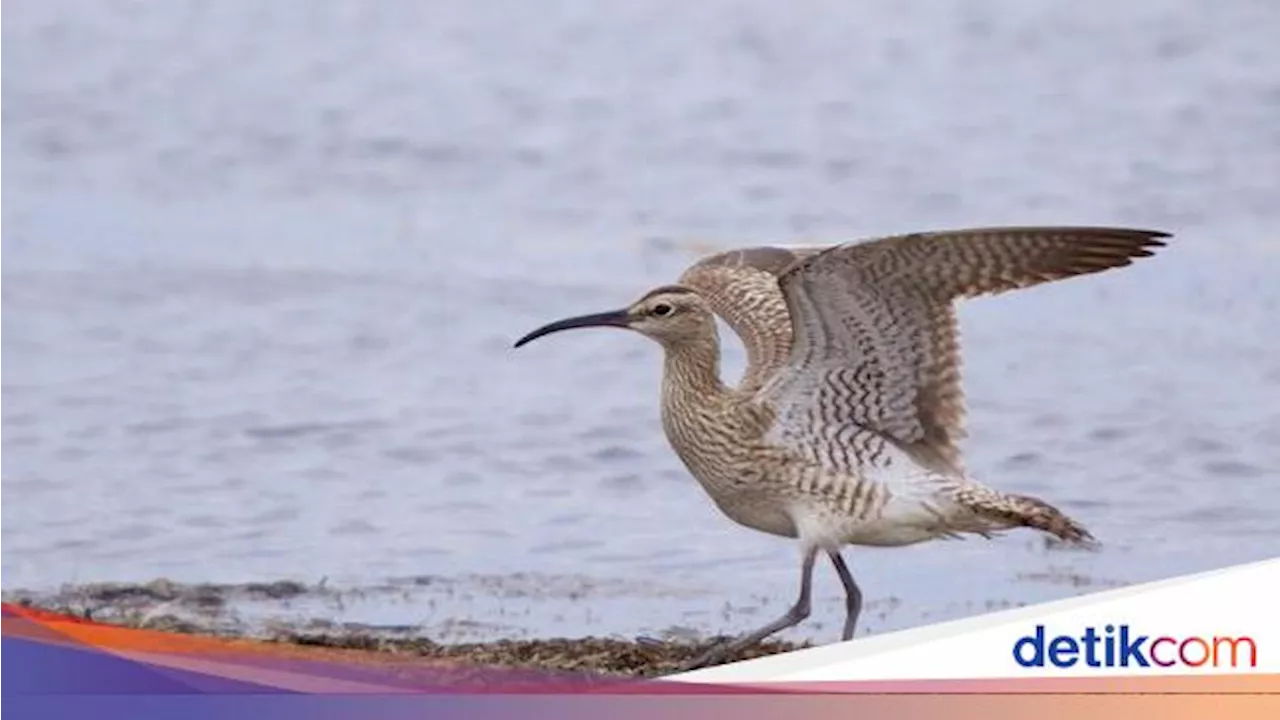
x: 914, y: 278
x: 845, y: 426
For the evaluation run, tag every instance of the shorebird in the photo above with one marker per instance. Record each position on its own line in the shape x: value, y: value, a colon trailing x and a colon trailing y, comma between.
x: 844, y: 428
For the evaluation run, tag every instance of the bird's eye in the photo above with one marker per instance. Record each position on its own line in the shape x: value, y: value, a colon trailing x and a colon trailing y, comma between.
x: 662, y: 310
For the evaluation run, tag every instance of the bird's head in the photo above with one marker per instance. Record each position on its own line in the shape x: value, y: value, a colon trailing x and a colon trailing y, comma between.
x: 671, y: 315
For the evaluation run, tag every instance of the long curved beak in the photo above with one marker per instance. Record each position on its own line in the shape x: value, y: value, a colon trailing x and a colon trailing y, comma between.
x: 614, y: 318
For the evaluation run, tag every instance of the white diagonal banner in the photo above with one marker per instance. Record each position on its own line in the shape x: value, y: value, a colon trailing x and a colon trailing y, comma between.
x: 1222, y: 621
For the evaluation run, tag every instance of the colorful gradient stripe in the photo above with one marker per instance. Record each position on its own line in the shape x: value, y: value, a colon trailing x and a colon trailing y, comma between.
x: 58, y: 666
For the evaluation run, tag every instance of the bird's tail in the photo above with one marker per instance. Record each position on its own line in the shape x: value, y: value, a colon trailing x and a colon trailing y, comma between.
x: 1008, y: 511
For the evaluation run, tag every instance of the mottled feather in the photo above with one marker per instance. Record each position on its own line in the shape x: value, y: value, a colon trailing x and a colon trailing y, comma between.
x: 742, y: 288
x: 875, y: 343
x: 858, y: 342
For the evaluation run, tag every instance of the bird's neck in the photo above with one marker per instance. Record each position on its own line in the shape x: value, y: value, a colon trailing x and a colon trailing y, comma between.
x: 691, y: 371
x: 705, y: 422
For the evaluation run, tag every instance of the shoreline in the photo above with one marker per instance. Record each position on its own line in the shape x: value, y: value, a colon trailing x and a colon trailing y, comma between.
x: 200, y: 611
x: 472, y: 621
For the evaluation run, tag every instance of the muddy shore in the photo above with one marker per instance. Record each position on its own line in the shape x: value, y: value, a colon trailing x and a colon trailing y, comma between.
x: 476, y: 621
x: 204, y: 609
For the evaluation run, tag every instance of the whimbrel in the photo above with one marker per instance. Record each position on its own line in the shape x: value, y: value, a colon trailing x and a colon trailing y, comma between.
x: 844, y: 429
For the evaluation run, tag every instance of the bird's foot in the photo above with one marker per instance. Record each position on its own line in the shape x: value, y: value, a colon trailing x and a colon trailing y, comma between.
x: 652, y: 643
x: 714, y: 655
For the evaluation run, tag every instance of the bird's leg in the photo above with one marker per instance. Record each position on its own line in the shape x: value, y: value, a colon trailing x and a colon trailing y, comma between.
x: 791, y: 618
x: 852, y: 595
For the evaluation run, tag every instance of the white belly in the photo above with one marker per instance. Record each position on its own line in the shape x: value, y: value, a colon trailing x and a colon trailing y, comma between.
x: 919, y: 509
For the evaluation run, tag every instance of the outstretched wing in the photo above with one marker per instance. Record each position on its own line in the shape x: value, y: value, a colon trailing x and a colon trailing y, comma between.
x: 875, y: 359
x: 742, y: 288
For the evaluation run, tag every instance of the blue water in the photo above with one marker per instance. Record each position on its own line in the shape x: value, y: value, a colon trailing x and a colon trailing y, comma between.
x: 263, y: 263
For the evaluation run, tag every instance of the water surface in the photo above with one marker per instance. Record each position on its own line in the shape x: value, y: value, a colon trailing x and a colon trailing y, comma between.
x: 263, y: 263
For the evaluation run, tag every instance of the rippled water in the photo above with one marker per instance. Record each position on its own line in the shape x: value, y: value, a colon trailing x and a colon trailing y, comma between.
x: 263, y: 263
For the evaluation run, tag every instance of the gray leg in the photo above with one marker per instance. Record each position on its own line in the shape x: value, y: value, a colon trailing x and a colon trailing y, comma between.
x: 797, y: 613
x: 852, y: 595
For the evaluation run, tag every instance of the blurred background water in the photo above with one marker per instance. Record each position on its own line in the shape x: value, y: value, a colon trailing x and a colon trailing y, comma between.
x: 263, y: 263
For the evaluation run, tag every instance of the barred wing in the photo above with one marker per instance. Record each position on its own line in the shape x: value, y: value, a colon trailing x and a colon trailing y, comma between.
x: 874, y: 359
